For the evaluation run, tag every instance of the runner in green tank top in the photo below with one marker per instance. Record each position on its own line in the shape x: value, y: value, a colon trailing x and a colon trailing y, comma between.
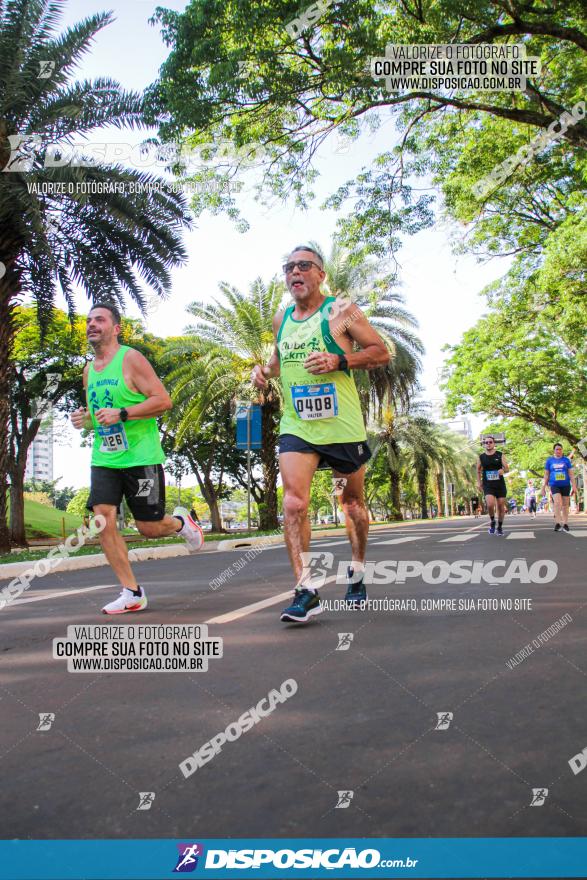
x: 124, y: 396
x: 322, y: 423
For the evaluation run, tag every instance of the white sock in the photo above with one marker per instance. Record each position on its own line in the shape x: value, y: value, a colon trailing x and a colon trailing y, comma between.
x: 302, y: 586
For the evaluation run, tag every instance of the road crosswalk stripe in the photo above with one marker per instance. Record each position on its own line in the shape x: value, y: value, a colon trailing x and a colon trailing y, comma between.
x: 398, y: 540
x: 516, y: 536
x: 331, y: 543
x: 458, y: 538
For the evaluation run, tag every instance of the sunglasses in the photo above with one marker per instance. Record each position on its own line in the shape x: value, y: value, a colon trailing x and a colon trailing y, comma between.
x: 488, y: 443
x: 303, y: 266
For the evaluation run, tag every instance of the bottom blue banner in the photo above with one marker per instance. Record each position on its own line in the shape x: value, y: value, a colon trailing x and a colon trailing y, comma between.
x: 296, y: 857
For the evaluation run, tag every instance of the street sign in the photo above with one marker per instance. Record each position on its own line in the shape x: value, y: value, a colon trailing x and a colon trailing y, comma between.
x: 248, y: 426
x: 248, y: 436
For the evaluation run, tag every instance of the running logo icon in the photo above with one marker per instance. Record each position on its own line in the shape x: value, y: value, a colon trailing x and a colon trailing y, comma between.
x: 344, y: 641
x: 144, y: 489
x: 187, y: 861
x: 316, y: 565
x: 46, y: 68
x: 46, y: 719
x: 444, y: 719
x: 22, y: 152
x: 344, y: 799
x: 146, y: 799
x: 539, y: 795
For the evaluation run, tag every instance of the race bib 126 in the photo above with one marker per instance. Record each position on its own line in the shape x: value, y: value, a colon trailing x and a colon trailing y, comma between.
x: 113, y: 438
x: 315, y: 401
x: 560, y: 475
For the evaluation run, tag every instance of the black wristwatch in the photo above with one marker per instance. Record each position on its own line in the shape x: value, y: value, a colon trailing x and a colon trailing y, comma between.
x: 123, y: 415
x: 343, y: 364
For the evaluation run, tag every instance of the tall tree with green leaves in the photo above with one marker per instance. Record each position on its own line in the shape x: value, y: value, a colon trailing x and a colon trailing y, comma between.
x: 213, y: 363
x: 360, y: 278
x: 237, y: 73
x: 46, y: 376
x: 65, y: 224
x: 512, y: 364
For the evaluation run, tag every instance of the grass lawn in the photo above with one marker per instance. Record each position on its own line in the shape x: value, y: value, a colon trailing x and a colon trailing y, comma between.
x: 42, y: 521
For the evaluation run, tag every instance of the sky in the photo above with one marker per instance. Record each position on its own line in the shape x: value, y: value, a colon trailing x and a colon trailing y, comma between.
x: 440, y: 289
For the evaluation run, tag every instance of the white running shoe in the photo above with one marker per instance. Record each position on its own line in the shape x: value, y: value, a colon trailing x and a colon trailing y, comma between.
x: 191, y: 531
x: 126, y: 602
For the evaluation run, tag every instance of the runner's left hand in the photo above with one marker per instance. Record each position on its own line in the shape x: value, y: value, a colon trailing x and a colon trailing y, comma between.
x: 107, y: 416
x: 321, y: 362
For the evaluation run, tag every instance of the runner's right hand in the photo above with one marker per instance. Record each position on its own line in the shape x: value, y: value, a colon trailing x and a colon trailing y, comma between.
x: 79, y: 417
x: 259, y: 376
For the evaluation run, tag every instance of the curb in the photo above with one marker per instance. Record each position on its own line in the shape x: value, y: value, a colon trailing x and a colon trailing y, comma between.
x: 13, y: 569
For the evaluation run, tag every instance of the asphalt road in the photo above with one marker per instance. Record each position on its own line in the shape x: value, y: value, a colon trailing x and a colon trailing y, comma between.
x: 364, y: 718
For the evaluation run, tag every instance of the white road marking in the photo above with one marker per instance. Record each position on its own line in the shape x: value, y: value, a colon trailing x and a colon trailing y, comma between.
x: 43, y: 597
x: 518, y: 536
x: 330, y: 543
x: 462, y: 537
x: 258, y: 606
x: 398, y: 540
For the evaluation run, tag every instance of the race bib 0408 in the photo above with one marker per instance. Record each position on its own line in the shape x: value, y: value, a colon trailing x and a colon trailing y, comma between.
x: 113, y: 438
x: 560, y: 475
x: 315, y: 401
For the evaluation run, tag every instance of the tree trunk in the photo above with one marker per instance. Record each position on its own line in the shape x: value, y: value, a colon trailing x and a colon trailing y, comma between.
x: 9, y: 285
x: 17, y: 527
x: 422, y: 477
x: 393, y: 455
x: 21, y: 442
x: 209, y: 495
x: 215, y: 518
x: 438, y: 492
x: 269, y: 427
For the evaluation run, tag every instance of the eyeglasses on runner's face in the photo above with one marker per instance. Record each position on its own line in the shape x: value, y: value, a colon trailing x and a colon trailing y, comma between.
x: 488, y: 442
x: 303, y: 266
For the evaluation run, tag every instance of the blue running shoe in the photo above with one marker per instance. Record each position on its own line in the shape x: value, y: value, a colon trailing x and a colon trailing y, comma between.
x: 356, y: 593
x: 492, y: 529
x: 305, y: 605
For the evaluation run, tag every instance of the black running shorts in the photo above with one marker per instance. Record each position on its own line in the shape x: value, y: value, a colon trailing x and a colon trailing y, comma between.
x: 565, y: 491
x: 498, y: 489
x: 143, y: 487
x: 344, y: 458
x: 532, y: 505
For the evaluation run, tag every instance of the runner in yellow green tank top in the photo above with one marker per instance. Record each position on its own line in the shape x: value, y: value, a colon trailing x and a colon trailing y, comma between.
x: 322, y: 423
x: 124, y: 395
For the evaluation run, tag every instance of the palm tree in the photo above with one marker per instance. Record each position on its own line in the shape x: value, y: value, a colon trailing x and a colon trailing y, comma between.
x: 363, y: 282
x: 456, y: 462
x: 102, y: 228
x: 214, y: 362
x: 427, y: 450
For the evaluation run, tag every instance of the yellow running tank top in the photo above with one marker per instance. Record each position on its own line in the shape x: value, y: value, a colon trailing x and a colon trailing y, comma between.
x: 321, y: 409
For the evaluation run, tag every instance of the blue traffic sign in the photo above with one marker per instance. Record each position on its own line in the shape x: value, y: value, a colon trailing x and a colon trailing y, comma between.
x: 248, y: 426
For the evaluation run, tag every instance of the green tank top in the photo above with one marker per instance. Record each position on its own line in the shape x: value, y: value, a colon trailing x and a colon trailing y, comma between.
x: 122, y: 445
x: 321, y: 409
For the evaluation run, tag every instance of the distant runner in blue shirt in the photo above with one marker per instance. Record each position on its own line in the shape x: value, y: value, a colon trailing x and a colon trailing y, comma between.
x: 560, y: 477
